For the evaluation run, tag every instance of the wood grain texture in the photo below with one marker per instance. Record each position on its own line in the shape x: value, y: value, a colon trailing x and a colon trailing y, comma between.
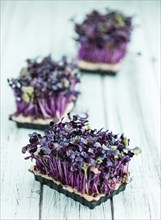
x: 127, y: 103
x: 92, y: 99
x: 152, y: 30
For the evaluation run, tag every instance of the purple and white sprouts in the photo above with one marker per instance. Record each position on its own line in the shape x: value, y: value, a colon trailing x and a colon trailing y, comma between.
x: 103, y: 37
x: 89, y: 160
x: 45, y: 88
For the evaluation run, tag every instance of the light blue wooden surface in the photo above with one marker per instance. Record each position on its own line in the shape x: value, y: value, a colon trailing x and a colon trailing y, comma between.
x: 126, y: 103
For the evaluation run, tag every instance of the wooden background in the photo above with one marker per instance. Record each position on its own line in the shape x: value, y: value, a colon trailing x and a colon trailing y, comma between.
x: 127, y: 103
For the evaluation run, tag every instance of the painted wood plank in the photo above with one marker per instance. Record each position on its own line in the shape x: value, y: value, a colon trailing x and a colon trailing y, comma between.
x: 19, y: 192
x: 149, y: 43
x: 91, y: 101
x: 151, y: 31
x: 69, y: 208
x: 137, y: 112
x: 147, y: 84
x: 150, y: 16
x: 134, y: 110
x: 145, y: 169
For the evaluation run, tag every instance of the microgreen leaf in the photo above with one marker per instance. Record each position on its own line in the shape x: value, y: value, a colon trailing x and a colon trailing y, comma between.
x: 136, y: 150
x: 126, y: 141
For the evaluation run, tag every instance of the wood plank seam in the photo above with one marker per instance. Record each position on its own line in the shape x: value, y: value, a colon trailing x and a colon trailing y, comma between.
x: 40, y: 200
x: 105, y: 116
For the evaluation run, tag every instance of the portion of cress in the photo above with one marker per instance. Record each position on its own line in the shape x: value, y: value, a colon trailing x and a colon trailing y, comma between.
x: 45, y: 88
x: 103, y: 37
x: 90, y: 161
